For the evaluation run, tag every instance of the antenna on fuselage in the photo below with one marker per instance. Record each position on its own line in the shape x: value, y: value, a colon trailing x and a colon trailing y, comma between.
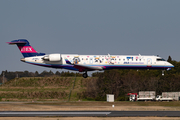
x: 140, y: 56
x: 108, y: 55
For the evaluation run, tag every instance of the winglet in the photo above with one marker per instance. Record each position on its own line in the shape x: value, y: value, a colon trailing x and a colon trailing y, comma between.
x: 67, y: 61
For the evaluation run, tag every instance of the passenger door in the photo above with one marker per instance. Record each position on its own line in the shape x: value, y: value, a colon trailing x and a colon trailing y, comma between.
x: 149, y: 62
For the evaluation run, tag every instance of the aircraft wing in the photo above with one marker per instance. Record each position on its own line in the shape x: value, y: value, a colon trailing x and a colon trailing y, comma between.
x: 82, y: 68
x: 88, y: 68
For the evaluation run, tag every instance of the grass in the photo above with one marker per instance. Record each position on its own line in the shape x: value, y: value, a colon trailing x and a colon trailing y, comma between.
x: 116, y: 103
x: 42, y: 88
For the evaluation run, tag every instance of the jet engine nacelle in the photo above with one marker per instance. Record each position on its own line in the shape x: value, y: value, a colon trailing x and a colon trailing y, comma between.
x: 53, y: 57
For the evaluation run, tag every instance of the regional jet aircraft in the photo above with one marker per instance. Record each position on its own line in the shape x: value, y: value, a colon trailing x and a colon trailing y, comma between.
x: 84, y: 63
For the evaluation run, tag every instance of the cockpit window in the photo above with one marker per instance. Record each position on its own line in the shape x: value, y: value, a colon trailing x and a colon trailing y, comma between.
x: 160, y: 59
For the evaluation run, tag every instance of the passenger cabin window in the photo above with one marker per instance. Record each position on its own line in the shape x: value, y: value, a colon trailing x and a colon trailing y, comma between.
x: 160, y: 59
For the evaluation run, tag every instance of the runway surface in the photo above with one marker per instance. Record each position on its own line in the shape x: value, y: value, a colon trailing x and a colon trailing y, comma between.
x: 90, y: 113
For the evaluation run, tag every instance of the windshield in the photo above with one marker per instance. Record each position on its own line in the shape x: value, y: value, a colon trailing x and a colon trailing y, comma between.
x: 160, y: 59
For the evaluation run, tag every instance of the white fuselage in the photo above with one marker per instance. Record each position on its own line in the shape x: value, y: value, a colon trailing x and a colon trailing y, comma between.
x: 102, y: 61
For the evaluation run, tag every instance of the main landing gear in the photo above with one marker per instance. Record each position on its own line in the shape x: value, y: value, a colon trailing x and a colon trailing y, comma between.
x: 85, y: 75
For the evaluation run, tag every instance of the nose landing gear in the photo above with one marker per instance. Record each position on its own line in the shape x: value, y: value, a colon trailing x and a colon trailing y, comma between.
x: 163, y: 72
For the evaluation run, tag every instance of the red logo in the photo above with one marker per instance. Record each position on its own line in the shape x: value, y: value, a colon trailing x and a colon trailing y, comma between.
x: 26, y: 49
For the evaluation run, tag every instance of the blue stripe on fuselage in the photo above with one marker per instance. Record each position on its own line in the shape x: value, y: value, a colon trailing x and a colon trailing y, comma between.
x: 32, y: 54
x: 106, y: 67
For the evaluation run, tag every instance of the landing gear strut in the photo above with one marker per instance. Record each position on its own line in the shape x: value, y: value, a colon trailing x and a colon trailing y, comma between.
x: 163, y: 72
x: 85, y: 75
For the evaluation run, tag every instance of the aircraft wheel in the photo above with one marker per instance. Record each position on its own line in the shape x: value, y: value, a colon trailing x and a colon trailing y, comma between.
x: 85, y: 75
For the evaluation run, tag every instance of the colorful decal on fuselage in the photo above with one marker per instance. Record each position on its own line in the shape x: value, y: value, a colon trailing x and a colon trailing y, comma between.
x: 97, y: 60
x: 76, y: 60
x: 130, y: 58
x: 133, y: 62
x: 112, y: 60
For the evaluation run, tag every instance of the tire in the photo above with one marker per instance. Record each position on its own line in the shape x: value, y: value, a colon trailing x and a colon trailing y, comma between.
x: 85, y: 75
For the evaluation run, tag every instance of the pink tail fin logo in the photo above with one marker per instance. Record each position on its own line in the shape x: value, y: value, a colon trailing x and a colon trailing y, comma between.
x: 27, y: 49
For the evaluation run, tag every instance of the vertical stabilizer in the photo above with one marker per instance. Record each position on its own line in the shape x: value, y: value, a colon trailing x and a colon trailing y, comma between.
x: 25, y: 48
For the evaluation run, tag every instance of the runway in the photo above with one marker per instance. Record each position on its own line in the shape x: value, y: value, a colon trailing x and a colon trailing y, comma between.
x: 90, y: 113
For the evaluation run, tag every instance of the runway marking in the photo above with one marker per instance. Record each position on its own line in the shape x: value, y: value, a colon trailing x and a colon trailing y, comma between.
x: 64, y: 113
x: 90, y: 113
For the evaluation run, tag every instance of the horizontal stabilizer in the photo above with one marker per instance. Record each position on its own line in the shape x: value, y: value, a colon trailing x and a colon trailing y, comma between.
x: 16, y: 42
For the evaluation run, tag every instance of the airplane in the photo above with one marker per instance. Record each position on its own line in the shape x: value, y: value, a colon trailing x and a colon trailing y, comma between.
x: 85, y: 63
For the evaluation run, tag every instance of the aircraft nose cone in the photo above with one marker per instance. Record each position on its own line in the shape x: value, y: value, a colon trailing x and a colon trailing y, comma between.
x: 23, y: 59
x: 171, y: 65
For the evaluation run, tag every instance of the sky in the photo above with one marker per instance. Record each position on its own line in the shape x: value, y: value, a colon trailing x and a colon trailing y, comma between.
x: 117, y: 27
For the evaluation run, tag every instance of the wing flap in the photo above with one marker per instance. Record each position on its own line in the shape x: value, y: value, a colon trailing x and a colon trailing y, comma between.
x: 85, y: 67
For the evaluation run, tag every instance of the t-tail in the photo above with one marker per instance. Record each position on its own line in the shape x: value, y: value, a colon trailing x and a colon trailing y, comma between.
x: 25, y: 48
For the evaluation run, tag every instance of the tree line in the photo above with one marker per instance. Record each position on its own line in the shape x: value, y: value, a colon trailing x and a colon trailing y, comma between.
x: 121, y: 82
x: 8, y: 75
